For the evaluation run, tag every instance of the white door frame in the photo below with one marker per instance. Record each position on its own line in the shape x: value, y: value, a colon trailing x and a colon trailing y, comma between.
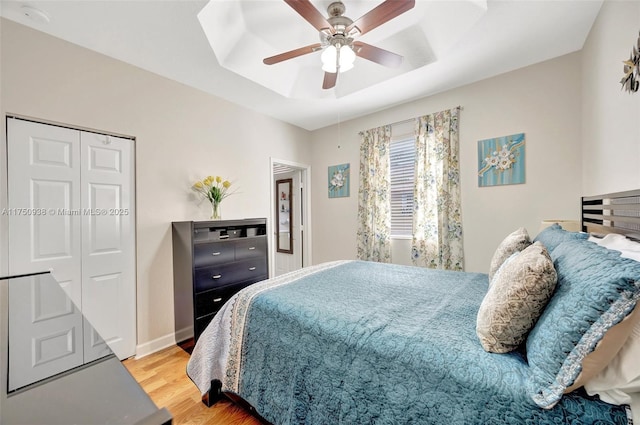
x: 306, y: 211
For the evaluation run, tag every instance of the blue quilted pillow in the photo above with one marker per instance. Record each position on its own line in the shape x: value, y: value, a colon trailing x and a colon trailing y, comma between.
x: 596, y: 289
x: 554, y: 235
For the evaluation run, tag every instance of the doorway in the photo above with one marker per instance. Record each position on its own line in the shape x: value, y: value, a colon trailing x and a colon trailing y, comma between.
x: 295, y: 227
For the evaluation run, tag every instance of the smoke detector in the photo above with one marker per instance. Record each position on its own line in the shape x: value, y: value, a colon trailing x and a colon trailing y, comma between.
x: 35, y: 14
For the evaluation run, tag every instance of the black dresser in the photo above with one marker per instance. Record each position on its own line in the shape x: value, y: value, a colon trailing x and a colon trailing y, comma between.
x: 212, y: 260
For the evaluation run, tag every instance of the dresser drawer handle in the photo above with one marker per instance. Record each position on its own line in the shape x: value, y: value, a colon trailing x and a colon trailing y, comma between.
x: 216, y: 276
x: 251, y: 248
x: 215, y: 253
x: 217, y: 300
x: 252, y: 268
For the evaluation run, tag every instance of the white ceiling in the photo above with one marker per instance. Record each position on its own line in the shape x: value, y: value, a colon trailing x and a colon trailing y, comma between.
x: 445, y: 43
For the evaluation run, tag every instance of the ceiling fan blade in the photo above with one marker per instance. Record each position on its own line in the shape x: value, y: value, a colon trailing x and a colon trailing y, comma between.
x: 292, y: 54
x: 377, y: 55
x: 311, y: 14
x: 382, y: 13
x: 330, y: 79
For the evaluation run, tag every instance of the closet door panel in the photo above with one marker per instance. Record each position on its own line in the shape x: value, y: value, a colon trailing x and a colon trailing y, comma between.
x: 105, y: 226
x: 108, y: 243
x: 45, y: 331
x: 44, y: 202
x: 52, y: 234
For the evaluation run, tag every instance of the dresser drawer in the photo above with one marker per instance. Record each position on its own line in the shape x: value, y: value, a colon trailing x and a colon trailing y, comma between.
x: 209, y: 302
x: 215, y: 276
x: 251, y: 247
x: 230, y: 273
x: 253, y: 269
x: 206, y: 254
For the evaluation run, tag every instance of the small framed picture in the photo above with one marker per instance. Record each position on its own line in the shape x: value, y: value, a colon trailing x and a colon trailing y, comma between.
x: 338, y: 176
x: 501, y: 160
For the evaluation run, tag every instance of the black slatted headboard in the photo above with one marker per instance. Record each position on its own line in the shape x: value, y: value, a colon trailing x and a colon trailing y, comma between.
x: 612, y: 213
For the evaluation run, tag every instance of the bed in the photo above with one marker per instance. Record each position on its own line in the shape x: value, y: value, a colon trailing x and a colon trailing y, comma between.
x: 353, y: 342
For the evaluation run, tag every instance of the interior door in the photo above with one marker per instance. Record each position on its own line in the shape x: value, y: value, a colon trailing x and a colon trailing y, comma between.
x: 108, y: 244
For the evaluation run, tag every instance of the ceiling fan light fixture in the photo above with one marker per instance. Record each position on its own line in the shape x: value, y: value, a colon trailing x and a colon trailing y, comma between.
x: 337, y: 33
x: 329, y: 59
x: 347, y: 57
x: 332, y: 61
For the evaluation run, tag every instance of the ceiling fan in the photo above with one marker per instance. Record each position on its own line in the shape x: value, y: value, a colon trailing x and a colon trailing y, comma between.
x: 338, y: 34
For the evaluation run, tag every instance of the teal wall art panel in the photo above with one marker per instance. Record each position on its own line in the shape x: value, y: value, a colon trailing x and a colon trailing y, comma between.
x: 501, y: 160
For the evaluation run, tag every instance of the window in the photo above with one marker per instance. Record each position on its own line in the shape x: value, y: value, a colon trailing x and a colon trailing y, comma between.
x: 402, y: 156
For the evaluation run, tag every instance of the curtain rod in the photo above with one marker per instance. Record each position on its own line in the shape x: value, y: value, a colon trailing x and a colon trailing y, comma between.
x: 411, y: 119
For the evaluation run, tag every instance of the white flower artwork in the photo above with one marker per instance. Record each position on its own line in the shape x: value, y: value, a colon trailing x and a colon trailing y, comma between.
x: 501, y: 160
x: 338, y: 181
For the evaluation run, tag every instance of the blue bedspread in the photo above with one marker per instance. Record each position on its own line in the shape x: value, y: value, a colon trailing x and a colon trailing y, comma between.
x: 369, y: 343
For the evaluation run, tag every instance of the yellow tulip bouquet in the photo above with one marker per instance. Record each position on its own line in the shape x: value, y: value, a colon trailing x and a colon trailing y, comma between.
x: 215, y: 189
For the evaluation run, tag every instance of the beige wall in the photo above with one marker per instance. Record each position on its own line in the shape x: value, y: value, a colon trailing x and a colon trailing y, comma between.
x: 582, y: 132
x: 181, y: 134
x: 611, y: 116
x: 542, y: 100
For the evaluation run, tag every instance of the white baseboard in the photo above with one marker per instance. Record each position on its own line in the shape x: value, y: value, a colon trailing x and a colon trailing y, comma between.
x: 184, y: 334
x: 157, y: 344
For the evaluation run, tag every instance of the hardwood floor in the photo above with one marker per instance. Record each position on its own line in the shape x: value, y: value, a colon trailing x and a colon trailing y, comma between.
x: 163, y: 376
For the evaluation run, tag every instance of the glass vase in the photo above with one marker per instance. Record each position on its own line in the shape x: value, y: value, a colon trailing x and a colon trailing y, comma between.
x: 215, y: 211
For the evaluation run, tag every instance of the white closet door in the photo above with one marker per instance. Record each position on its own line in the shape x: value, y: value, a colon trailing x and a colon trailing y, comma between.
x: 44, y: 192
x: 71, y: 205
x: 108, y: 244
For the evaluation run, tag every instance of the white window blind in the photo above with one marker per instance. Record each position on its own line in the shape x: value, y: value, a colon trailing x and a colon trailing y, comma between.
x: 402, y: 154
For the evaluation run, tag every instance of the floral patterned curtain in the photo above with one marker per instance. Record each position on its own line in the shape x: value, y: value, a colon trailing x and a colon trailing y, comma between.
x: 437, y: 216
x: 374, y: 205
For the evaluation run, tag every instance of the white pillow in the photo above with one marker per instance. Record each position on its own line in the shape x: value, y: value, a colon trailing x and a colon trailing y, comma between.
x: 619, y: 382
x: 626, y: 247
x: 616, y: 242
x: 634, y: 255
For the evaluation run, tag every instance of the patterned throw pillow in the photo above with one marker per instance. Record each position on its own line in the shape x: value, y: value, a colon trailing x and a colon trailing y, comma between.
x: 596, y: 290
x: 554, y: 235
x: 520, y: 290
x: 515, y: 242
